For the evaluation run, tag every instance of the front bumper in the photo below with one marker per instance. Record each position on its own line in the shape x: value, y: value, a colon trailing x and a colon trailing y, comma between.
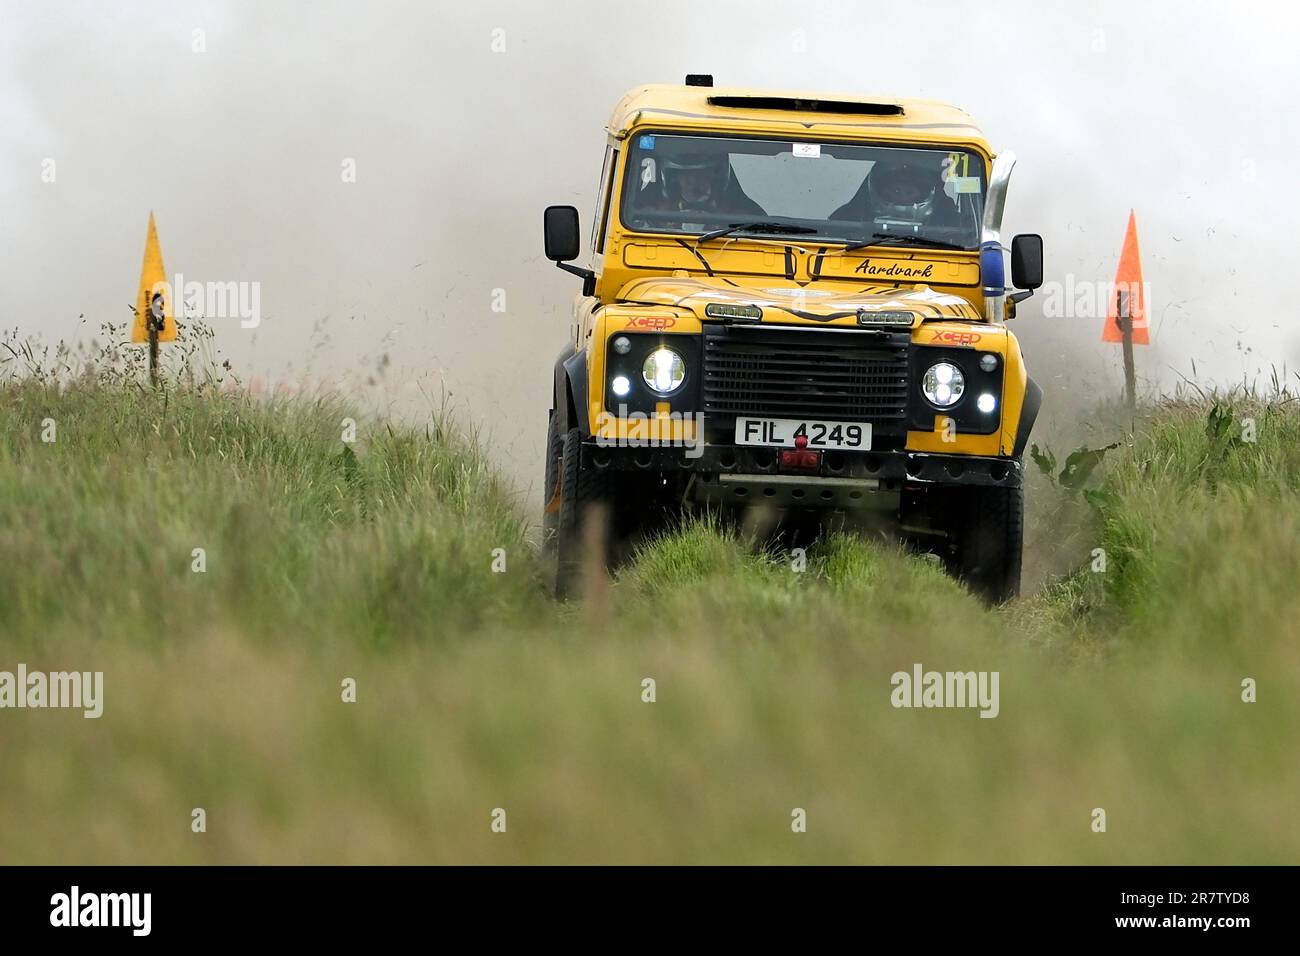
x: 883, y: 469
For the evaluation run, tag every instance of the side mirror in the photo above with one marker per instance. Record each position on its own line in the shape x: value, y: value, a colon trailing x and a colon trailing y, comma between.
x: 561, y: 227
x: 1027, y: 261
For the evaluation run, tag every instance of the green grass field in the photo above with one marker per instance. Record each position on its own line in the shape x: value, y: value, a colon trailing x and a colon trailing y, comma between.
x: 1119, y: 689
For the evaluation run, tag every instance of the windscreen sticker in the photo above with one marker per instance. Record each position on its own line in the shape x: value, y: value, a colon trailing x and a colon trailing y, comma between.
x: 812, y: 150
x: 647, y: 143
x: 957, y: 180
x: 648, y: 174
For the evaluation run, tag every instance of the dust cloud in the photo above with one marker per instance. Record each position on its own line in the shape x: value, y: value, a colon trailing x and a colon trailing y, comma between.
x: 236, y: 123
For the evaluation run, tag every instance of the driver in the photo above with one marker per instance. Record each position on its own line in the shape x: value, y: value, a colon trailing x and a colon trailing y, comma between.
x: 700, y: 181
x: 694, y: 181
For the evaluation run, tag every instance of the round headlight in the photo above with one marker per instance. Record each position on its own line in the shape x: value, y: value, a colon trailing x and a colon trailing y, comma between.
x: 943, y: 384
x: 664, y: 370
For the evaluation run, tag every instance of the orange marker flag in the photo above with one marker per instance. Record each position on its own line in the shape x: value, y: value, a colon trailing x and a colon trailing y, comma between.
x: 153, y: 275
x: 1128, y: 281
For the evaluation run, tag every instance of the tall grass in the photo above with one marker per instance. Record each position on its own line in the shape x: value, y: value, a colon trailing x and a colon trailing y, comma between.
x: 384, y: 542
x: 375, y: 561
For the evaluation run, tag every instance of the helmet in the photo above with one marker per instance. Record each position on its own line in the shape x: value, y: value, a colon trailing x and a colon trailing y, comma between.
x: 902, y: 190
x: 694, y: 179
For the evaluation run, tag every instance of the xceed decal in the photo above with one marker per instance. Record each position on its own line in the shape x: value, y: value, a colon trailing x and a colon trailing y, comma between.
x: 651, y: 323
x: 955, y: 338
x: 899, y: 270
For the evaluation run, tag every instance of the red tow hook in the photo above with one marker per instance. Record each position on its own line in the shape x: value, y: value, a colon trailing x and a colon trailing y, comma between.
x: 801, y: 459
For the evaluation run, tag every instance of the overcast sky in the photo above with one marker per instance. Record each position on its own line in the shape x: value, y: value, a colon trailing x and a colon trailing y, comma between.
x: 1184, y: 112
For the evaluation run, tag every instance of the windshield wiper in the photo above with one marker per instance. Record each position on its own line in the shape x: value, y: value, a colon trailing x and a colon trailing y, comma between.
x: 781, y: 228
x: 903, y: 238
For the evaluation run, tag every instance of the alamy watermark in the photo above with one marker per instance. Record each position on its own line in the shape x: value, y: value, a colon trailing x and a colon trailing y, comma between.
x: 75, y: 908
x: 629, y: 429
x: 77, y: 690
x: 922, y: 688
x: 1089, y: 299
x: 216, y: 300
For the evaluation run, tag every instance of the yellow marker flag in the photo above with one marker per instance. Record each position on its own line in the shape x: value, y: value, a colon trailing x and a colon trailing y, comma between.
x: 151, y: 304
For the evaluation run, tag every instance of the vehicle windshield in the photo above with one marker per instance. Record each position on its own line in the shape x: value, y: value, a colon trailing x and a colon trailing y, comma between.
x: 855, y: 194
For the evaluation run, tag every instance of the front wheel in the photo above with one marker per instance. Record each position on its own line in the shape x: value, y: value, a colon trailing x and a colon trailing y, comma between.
x: 575, y: 498
x: 551, y: 486
x: 987, y: 539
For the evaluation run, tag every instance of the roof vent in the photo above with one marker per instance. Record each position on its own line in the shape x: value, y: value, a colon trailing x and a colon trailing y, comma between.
x: 699, y: 79
x: 807, y: 106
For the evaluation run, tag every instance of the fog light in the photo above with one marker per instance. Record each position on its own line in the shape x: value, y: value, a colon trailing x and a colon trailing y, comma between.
x: 622, y: 345
x: 621, y: 386
x: 988, y: 362
x: 986, y: 403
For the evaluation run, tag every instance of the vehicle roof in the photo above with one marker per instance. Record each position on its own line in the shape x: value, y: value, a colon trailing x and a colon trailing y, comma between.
x: 799, y: 113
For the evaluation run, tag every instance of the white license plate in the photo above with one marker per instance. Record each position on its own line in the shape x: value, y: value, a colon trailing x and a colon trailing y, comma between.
x: 783, y: 431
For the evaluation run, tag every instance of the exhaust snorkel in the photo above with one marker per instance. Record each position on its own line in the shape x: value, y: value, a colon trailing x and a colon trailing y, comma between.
x: 992, y: 268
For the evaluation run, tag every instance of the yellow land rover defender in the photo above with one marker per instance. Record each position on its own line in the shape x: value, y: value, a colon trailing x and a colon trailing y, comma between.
x: 794, y: 301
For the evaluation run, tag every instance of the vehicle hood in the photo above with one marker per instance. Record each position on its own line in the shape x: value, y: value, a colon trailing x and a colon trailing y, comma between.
x: 784, y: 301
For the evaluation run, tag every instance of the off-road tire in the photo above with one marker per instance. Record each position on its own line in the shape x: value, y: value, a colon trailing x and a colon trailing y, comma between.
x: 988, y: 534
x: 582, y: 492
x: 551, y: 488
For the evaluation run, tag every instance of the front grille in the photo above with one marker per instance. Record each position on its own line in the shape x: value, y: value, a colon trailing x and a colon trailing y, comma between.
x: 821, y: 373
